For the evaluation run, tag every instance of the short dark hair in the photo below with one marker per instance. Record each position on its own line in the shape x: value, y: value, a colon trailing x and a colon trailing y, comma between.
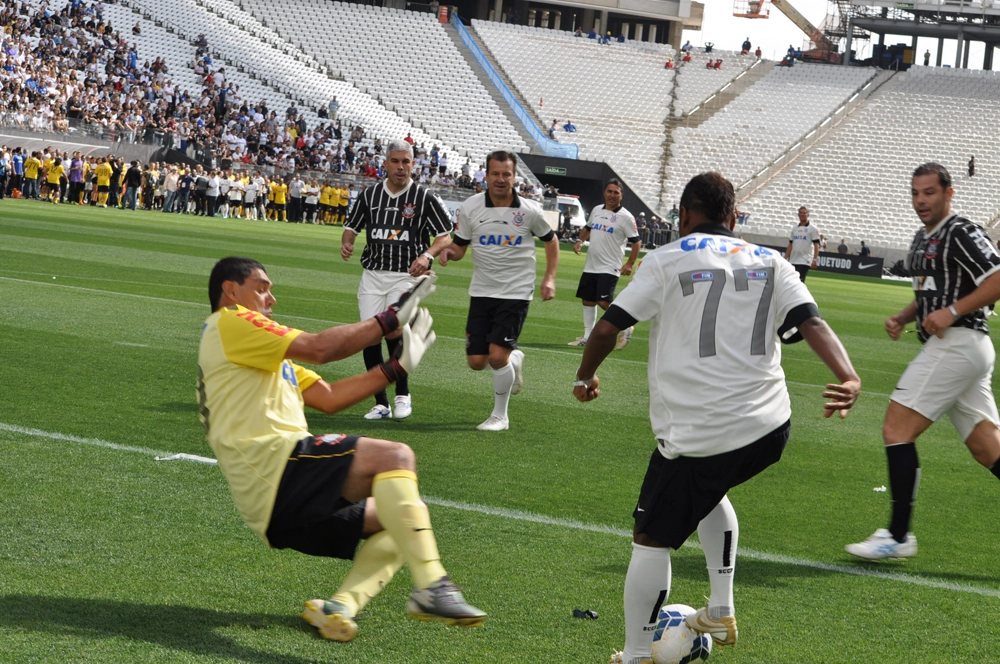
x: 501, y: 156
x: 933, y: 168
x: 803, y: 207
x: 232, y: 268
x: 616, y: 182
x: 711, y: 195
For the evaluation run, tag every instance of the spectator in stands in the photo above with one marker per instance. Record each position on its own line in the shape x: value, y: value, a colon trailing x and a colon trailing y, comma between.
x: 136, y: 29
x: 621, y: 38
x: 972, y: 166
x: 686, y: 47
x: 687, y: 57
x: 592, y: 34
x: 822, y: 242
x: 746, y: 46
x: 333, y: 108
x: 709, y: 64
x: 718, y: 64
x: 842, y: 247
x: 927, y: 58
x: 864, y: 251
x: 553, y: 129
x: 758, y: 53
x: 579, y: 31
x: 669, y: 64
x: 569, y: 127
x: 435, y: 7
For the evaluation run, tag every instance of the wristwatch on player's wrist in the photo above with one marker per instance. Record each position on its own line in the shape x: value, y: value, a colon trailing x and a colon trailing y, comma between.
x: 428, y: 256
x: 954, y: 311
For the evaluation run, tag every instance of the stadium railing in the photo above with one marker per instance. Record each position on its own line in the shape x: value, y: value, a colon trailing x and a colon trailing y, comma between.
x: 550, y: 147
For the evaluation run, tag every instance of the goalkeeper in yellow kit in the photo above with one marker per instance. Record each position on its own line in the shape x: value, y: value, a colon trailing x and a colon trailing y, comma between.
x: 319, y: 494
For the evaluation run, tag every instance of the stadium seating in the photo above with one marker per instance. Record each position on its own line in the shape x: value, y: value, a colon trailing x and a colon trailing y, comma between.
x: 758, y: 125
x: 617, y: 95
x: 856, y: 182
x: 404, y: 57
x: 694, y: 83
x: 237, y: 41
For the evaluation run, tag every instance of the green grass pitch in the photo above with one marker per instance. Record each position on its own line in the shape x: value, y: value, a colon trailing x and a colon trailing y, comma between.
x: 108, y: 555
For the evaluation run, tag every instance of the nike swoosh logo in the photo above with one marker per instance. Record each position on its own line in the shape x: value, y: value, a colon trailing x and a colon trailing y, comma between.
x: 863, y: 266
x: 509, y: 340
x: 639, y: 509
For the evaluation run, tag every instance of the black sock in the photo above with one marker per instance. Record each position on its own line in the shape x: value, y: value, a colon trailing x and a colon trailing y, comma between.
x: 373, y: 358
x: 403, y: 382
x: 904, y: 476
x: 995, y: 469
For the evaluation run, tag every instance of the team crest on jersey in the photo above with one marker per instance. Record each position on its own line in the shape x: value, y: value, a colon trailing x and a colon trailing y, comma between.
x: 614, y: 218
x: 932, y: 249
x: 517, y: 218
x: 409, y: 211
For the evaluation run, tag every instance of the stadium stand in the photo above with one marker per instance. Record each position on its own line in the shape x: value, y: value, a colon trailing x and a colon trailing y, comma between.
x: 618, y: 95
x: 407, y: 57
x: 855, y: 181
x: 278, y: 68
x: 694, y: 83
x: 757, y: 126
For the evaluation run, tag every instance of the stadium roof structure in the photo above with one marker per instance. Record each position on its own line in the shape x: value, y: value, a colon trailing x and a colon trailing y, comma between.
x: 963, y: 20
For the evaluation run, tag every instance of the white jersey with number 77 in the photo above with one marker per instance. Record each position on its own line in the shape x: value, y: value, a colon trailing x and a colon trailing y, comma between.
x: 717, y: 305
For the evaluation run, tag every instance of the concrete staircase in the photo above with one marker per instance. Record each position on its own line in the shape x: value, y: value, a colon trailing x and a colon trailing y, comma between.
x: 723, y: 96
x: 492, y: 89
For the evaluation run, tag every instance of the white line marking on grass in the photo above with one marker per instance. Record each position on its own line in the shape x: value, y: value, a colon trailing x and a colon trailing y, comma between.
x: 127, y: 343
x: 748, y: 553
x: 97, y: 442
x: 519, y: 515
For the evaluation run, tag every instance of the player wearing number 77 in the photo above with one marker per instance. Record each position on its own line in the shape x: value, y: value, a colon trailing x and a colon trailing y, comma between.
x: 719, y: 310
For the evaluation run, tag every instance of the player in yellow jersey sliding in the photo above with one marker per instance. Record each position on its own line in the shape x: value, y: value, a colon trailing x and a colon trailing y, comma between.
x: 319, y: 494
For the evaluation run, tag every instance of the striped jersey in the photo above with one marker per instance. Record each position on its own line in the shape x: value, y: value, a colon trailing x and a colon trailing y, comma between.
x: 399, y: 227
x: 947, y: 264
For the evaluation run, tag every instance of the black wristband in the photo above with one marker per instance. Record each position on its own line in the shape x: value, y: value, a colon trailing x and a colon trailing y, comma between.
x: 392, y: 369
x: 388, y: 321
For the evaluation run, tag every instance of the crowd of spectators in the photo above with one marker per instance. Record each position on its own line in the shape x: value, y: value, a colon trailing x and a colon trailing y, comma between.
x: 69, y: 70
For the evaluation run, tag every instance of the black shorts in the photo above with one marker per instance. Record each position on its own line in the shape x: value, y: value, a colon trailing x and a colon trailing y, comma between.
x: 494, y: 321
x: 309, y: 513
x: 597, y: 287
x: 803, y: 270
x: 103, y: 188
x: 678, y: 493
x: 343, y: 209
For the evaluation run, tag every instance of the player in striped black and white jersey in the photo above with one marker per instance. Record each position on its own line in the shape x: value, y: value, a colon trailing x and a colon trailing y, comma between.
x: 500, y: 226
x: 956, y: 275
x: 406, y: 227
x: 610, y: 229
x: 719, y: 309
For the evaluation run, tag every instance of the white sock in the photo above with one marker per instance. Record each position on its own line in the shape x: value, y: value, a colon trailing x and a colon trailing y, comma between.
x: 719, y: 533
x: 503, y: 380
x: 647, y: 586
x: 589, y: 320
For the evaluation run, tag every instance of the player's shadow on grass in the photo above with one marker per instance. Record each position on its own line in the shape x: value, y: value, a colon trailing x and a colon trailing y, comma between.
x: 170, y: 626
x: 386, y: 429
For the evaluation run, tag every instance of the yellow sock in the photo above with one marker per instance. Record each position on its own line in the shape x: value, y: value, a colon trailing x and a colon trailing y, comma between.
x: 406, y: 518
x: 375, y: 563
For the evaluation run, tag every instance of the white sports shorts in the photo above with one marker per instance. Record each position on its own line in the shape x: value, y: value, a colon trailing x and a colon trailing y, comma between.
x: 378, y: 290
x: 952, y: 375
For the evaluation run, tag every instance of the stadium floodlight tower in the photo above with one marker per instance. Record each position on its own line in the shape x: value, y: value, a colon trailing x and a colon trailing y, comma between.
x: 824, y: 49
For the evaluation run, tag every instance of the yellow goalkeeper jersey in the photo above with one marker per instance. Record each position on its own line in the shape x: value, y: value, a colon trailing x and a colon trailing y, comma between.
x: 250, y: 401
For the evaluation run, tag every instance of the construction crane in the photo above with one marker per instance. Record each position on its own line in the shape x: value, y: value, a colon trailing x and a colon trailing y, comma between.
x: 824, y: 51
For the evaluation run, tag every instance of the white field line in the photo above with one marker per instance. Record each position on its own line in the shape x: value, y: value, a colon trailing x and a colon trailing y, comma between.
x: 334, y: 322
x: 571, y: 524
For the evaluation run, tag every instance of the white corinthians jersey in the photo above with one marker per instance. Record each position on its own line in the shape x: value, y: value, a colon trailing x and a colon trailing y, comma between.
x: 503, y: 245
x: 802, y: 239
x: 717, y: 305
x: 610, y: 232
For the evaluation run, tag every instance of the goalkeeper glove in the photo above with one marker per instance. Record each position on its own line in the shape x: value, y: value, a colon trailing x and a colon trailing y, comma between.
x: 400, y: 313
x: 417, y: 338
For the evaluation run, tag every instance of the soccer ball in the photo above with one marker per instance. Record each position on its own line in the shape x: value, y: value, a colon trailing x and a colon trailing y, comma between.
x: 676, y: 643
